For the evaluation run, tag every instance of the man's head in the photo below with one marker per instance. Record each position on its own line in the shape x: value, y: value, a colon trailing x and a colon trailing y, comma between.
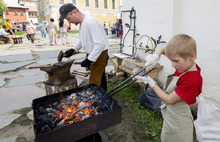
x: 65, y: 10
x: 4, y: 27
x: 182, y: 45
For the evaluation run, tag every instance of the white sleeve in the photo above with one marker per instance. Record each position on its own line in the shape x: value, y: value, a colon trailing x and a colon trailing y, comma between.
x: 99, y: 41
x: 78, y: 46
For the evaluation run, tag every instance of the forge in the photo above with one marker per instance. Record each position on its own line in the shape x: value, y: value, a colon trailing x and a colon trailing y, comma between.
x: 74, y: 114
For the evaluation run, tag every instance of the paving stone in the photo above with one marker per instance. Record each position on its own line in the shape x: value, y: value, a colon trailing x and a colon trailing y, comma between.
x: 46, y: 55
x: 7, y: 118
x: 17, y: 58
x: 9, y: 139
x: 26, y: 80
x: 18, y: 97
x: 13, y: 66
x: 49, y: 61
x: 2, y: 82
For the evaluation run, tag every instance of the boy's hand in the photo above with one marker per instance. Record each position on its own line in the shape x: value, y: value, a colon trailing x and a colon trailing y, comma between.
x: 146, y: 80
x: 152, y: 59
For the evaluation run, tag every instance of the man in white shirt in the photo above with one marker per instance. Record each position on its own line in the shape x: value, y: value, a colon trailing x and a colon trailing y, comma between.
x: 92, y: 39
x: 3, y: 34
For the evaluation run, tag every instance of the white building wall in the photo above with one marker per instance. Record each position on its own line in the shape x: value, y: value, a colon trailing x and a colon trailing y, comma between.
x: 197, y: 18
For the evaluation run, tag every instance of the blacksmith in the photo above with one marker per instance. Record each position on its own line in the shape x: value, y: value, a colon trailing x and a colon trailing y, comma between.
x: 92, y: 39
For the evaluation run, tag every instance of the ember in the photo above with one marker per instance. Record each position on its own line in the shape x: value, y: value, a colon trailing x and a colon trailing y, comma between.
x: 70, y: 110
x: 65, y: 109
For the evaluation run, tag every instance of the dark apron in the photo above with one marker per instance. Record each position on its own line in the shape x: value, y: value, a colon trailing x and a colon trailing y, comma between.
x: 97, y: 70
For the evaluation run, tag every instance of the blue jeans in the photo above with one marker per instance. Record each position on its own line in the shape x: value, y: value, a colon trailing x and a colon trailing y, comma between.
x: 106, y: 31
x: 43, y: 34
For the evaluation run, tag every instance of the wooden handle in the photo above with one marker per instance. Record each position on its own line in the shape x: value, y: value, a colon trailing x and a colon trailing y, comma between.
x: 35, y: 67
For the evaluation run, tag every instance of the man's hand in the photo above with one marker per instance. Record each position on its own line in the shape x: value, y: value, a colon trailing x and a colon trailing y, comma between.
x: 86, y: 63
x: 69, y: 53
x: 146, y: 80
x: 152, y: 59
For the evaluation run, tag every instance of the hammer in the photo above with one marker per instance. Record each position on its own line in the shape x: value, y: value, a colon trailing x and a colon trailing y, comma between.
x: 61, y: 55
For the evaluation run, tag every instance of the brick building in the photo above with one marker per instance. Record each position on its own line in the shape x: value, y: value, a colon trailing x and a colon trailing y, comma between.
x: 15, y: 12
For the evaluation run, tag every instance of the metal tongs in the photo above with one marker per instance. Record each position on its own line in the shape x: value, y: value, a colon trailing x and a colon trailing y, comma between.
x: 120, y: 86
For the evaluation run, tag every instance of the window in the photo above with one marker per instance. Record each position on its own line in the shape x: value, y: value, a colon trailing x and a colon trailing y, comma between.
x: 74, y: 2
x: 61, y: 1
x: 105, y: 4
x: 86, y: 2
x: 6, y: 12
x: 21, y: 12
x: 113, y: 4
x: 15, y: 12
x: 96, y: 3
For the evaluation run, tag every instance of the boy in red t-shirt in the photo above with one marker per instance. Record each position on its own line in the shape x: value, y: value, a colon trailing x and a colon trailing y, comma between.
x: 180, y: 90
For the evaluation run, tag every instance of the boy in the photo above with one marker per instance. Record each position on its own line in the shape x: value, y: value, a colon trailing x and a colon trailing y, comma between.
x: 180, y: 90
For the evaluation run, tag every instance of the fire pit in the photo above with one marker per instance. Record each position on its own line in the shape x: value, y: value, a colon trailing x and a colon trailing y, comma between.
x: 74, y: 114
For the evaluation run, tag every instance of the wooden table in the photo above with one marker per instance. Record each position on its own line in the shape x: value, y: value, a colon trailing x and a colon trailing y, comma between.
x: 121, y: 69
x: 17, y: 39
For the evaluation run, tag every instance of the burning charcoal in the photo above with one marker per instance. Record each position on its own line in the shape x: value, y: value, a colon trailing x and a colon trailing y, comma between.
x: 85, y: 117
x: 60, y: 123
x: 54, y: 104
x: 52, y: 115
x: 49, y: 109
x: 73, y: 95
x: 82, y: 104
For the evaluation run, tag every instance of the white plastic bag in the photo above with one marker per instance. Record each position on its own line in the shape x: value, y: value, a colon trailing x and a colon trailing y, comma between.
x: 207, y: 124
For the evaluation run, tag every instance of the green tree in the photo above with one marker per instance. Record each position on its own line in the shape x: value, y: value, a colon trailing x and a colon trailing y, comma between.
x: 3, y: 8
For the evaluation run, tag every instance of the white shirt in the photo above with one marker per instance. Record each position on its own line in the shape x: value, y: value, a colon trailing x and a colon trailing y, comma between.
x: 92, y: 38
x: 2, y: 32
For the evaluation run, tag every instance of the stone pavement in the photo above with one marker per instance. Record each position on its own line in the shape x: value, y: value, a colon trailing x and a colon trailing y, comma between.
x: 19, y: 85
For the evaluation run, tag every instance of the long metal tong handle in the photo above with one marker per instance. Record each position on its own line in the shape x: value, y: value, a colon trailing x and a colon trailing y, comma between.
x: 114, y: 90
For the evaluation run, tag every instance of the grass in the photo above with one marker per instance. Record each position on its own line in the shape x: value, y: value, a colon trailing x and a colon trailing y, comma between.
x: 144, y: 122
x: 18, y: 33
x: 70, y: 32
x: 73, y: 31
x: 23, y: 119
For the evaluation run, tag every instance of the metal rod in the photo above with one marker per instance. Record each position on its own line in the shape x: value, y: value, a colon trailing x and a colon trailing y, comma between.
x: 114, y: 90
x: 125, y: 81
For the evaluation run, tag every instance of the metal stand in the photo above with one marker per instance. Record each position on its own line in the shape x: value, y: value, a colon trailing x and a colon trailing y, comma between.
x: 132, y: 28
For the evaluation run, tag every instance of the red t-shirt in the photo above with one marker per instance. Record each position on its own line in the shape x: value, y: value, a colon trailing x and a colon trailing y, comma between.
x: 189, y: 85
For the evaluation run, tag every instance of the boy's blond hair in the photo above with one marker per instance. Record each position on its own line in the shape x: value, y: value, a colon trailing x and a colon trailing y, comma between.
x: 182, y: 45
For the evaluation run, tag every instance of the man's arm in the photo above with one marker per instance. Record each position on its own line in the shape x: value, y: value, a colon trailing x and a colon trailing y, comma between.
x: 98, y: 39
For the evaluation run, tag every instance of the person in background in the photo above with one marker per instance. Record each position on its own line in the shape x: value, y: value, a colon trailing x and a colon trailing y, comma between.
x: 63, y: 31
x: 42, y: 30
x: 4, y: 34
x: 120, y: 27
x: 92, y: 39
x: 117, y: 25
x: 105, y: 28
x: 9, y: 28
x: 45, y: 25
x: 180, y: 90
x: 52, y: 29
x: 21, y: 26
x: 30, y: 31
